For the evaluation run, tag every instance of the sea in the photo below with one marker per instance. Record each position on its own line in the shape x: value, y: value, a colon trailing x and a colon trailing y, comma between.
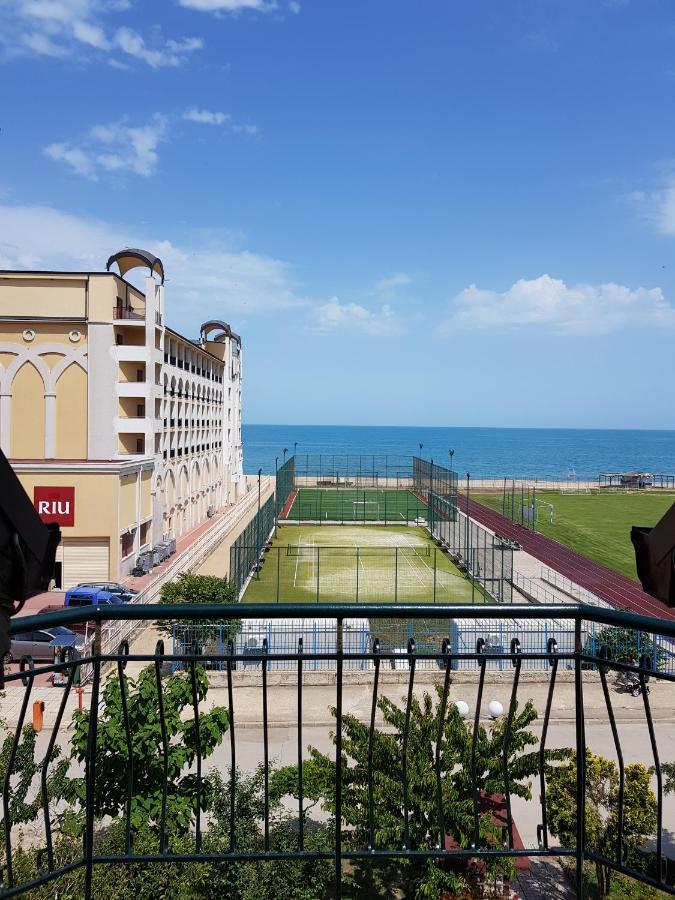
x: 500, y: 452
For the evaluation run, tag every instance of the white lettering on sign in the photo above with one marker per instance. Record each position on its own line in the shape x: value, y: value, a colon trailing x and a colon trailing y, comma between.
x: 54, y: 507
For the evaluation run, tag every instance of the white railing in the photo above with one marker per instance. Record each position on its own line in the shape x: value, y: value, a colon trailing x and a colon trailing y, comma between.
x: 534, y: 591
x: 192, y: 556
x: 571, y: 588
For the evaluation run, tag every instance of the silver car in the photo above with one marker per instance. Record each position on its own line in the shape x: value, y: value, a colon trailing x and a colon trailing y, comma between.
x: 40, y: 643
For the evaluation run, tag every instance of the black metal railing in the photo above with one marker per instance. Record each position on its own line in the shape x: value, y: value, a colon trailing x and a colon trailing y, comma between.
x: 454, y: 764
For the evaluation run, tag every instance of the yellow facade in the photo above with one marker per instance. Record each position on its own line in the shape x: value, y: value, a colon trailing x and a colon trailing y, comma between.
x: 128, y: 492
x: 28, y: 417
x: 71, y: 414
x: 97, y: 498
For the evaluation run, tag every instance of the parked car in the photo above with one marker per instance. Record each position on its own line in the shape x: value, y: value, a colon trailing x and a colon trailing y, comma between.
x: 41, y: 643
x: 112, y: 587
x: 90, y: 596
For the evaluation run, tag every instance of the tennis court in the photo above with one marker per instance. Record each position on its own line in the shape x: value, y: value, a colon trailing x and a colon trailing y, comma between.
x: 358, y: 563
x: 346, y: 504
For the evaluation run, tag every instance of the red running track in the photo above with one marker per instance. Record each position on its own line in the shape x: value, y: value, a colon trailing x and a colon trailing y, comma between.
x: 288, y: 504
x: 616, y: 589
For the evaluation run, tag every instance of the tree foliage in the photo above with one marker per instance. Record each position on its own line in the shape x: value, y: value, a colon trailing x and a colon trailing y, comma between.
x: 412, y: 877
x: 602, y: 809
x: 306, y: 879
x: 25, y: 802
x: 147, y: 763
x: 189, y: 588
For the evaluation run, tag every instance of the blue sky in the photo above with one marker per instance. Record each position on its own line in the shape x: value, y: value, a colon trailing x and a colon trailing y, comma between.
x: 441, y: 212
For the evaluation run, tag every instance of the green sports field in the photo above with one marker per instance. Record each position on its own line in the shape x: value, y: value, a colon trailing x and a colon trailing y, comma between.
x: 344, y: 504
x: 358, y: 563
x: 597, y: 525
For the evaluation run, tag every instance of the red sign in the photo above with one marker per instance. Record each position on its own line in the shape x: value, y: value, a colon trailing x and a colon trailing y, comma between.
x: 55, y: 504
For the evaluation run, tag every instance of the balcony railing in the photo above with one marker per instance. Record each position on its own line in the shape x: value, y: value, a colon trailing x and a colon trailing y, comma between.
x: 447, y: 765
x: 127, y: 312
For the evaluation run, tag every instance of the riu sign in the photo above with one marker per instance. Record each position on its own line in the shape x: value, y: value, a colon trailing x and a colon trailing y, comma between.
x: 55, y: 504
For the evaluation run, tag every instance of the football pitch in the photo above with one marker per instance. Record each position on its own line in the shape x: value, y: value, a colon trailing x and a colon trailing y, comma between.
x: 344, y: 504
x: 598, y: 524
x: 358, y: 563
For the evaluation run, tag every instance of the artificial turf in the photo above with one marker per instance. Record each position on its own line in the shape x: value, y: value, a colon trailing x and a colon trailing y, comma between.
x: 349, y: 504
x: 598, y: 524
x: 394, y: 564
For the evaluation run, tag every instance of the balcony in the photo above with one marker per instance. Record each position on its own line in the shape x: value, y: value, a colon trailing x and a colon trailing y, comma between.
x: 128, y: 314
x: 425, y: 783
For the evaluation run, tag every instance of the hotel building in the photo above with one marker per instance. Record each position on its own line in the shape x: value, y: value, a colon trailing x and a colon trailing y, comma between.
x: 121, y: 429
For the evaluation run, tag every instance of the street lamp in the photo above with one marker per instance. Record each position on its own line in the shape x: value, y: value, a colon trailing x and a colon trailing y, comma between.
x: 285, y: 452
x: 451, y: 453
x: 420, y: 446
x: 295, y: 448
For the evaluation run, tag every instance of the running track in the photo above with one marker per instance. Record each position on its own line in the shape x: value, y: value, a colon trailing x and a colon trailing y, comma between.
x: 616, y: 589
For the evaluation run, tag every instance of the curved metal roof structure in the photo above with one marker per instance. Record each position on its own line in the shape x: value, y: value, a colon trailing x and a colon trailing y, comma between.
x: 222, y: 327
x: 131, y: 258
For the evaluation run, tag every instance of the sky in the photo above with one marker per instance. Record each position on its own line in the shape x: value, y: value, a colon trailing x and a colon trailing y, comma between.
x: 439, y: 212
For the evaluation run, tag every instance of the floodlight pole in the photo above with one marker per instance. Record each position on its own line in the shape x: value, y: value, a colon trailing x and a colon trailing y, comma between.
x: 258, y: 521
x: 276, y: 508
x: 466, y: 538
x: 451, y: 453
x: 431, y: 490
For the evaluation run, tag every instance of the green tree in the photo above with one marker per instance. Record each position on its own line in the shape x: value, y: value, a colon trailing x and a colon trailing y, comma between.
x: 624, y: 644
x: 189, y: 588
x: 412, y: 877
x: 602, y: 809
x: 147, y: 770
x: 25, y: 800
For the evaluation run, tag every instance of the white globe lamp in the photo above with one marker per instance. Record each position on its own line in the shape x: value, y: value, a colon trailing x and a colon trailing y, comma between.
x: 495, y: 709
x: 462, y: 708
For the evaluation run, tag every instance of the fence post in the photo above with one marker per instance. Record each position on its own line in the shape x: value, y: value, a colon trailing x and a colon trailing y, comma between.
x: 435, y: 552
x: 395, y: 574
x: 318, y: 553
x: 466, y: 540
x: 278, y: 571
x: 581, y: 758
x: 358, y: 559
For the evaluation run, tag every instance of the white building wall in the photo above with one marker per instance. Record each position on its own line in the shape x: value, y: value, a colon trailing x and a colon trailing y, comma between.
x: 101, y: 389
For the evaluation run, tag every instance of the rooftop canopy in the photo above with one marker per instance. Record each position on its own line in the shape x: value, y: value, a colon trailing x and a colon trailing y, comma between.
x: 132, y: 257
x: 223, y: 329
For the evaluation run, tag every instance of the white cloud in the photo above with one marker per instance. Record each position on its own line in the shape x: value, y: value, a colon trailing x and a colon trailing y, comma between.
x: 173, y: 53
x: 207, y: 277
x: 294, y: 7
x: 205, y: 117
x: 336, y: 316
x: 658, y: 206
x: 391, y: 283
x: 229, y: 6
x: 79, y: 161
x: 59, y: 28
x: 91, y: 34
x: 115, y: 147
x: 549, y: 302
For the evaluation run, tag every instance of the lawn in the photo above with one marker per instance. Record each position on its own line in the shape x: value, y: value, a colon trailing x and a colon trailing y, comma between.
x: 597, y: 525
x: 358, y: 563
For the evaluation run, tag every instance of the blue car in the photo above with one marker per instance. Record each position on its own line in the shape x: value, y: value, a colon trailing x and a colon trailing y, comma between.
x: 91, y: 596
